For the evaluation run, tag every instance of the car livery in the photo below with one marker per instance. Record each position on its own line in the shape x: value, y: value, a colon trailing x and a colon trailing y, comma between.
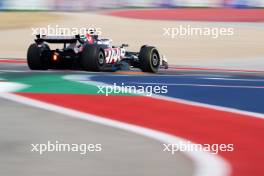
x: 89, y: 53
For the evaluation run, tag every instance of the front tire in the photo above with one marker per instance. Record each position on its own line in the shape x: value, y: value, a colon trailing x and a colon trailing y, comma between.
x: 93, y: 58
x: 34, y: 60
x: 149, y: 59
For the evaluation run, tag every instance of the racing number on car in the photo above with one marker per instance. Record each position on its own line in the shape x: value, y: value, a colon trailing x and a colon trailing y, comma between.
x: 112, y: 55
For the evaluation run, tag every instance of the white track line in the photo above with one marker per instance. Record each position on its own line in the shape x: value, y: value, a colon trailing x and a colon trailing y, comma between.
x: 202, y: 85
x: 86, y: 79
x: 15, y: 71
x: 206, y: 164
x: 46, y: 71
x: 215, y: 107
x: 201, y: 159
x: 235, y: 79
x: 211, y: 69
x: 10, y: 86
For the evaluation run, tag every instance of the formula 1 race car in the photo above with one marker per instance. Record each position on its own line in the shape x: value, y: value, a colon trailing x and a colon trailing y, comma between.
x: 89, y: 53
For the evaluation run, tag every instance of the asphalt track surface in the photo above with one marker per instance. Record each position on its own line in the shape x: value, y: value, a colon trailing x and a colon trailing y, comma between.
x: 122, y: 151
x: 202, y: 106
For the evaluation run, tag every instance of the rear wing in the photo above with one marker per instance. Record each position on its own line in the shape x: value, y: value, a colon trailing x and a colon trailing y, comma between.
x: 57, y: 39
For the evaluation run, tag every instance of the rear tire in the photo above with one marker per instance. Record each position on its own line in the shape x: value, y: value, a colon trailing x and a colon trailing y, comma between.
x: 34, y: 60
x: 93, y: 58
x: 149, y: 59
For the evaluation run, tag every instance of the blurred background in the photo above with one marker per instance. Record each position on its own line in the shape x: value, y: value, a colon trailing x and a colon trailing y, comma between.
x: 242, y: 50
x: 135, y: 22
x: 70, y: 5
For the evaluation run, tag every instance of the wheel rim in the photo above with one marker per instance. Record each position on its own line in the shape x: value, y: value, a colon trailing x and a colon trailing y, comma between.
x: 101, y: 58
x: 155, y: 60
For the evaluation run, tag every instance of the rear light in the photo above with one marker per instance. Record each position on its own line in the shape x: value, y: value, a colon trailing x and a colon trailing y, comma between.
x: 55, y: 57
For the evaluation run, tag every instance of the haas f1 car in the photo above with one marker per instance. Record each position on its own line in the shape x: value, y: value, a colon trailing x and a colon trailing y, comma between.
x: 90, y: 53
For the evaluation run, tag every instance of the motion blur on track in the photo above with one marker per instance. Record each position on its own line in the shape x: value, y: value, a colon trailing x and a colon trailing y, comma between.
x: 72, y: 121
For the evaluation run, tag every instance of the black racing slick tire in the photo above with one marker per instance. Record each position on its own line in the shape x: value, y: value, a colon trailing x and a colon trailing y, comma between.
x: 93, y: 58
x: 34, y: 60
x: 149, y: 59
